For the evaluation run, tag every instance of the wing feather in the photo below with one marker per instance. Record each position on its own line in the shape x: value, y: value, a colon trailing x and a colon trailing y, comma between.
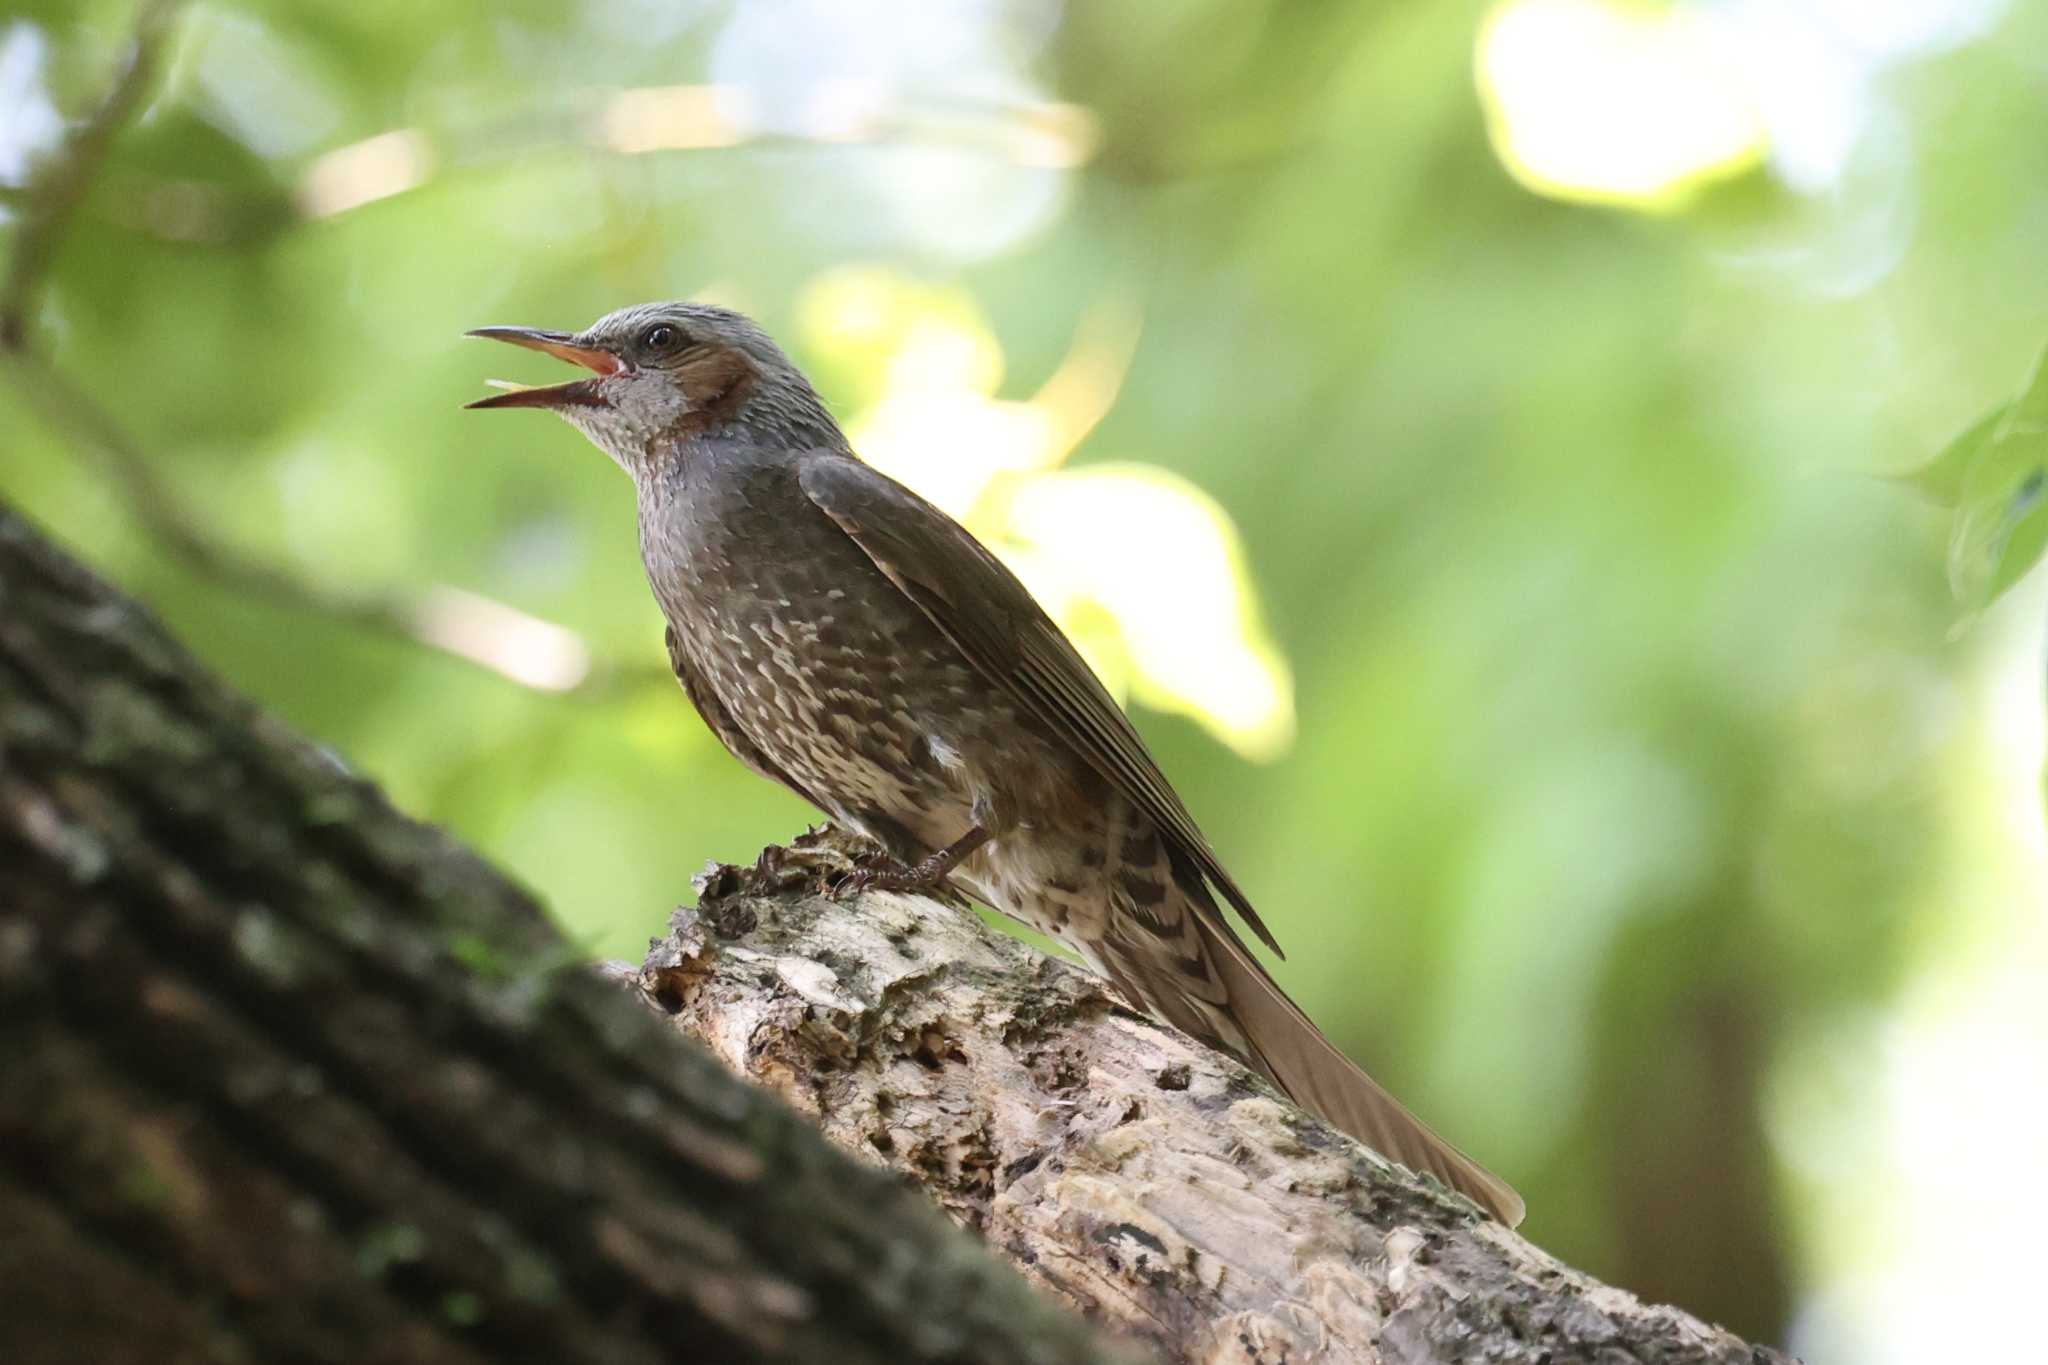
x: 992, y: 618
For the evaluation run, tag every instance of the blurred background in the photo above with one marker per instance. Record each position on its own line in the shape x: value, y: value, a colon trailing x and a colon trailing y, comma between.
x: 1461, y: 430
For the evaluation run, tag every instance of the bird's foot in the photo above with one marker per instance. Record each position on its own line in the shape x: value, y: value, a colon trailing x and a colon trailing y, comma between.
x: 880, y: 872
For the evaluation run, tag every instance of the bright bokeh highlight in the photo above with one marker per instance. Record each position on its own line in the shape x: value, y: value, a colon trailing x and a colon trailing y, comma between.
x: 1591, y: 99
x: 1159, y: 558
x: 1143, y: 569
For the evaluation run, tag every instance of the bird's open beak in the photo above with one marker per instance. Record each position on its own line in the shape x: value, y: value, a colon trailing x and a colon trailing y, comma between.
x: 575, y: 393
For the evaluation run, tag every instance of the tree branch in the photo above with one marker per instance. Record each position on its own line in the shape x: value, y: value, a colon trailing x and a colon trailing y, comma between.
x: 290, y: 1077
x: 48, y: 206
x: 61, y: 183
x: 1142, y: 1178
x: 293, y: 1077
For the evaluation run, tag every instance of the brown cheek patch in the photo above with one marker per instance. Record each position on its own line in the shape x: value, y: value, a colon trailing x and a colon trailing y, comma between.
x: 716, y: 380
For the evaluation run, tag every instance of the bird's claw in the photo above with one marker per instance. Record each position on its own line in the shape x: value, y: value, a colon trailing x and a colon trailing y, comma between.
x: 876, y: 873
x: 854, y: 883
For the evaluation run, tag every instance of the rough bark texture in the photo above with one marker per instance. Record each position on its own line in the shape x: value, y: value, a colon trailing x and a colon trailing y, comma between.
x: 289, y: 1077
x: 1133, y: 1173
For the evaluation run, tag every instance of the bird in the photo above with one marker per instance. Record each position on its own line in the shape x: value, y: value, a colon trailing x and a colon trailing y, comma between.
x: 845, y: 638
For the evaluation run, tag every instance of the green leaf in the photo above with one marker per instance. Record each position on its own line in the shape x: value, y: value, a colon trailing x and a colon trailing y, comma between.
x: 1941, y: 479
x: 2001, y: 525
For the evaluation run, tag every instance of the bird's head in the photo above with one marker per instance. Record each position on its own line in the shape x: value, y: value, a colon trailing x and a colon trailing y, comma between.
x: 666, y: 376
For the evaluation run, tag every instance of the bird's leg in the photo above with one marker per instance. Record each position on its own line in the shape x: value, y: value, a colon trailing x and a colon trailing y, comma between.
x: 921, y: 875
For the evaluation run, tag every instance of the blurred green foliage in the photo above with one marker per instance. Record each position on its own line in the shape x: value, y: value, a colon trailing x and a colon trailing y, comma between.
x: 1637, y: 776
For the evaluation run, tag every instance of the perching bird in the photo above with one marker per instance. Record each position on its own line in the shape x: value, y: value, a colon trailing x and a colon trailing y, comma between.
x: 846, y: 638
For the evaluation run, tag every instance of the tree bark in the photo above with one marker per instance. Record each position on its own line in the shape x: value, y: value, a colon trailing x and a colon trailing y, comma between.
x: 289, y: 1077
x: 1135, y: 1174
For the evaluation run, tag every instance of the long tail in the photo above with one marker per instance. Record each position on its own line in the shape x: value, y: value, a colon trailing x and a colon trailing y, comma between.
x: 1231, y: 1003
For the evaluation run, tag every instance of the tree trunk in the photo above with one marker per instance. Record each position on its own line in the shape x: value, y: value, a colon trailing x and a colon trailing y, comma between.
x: 292, y: 1078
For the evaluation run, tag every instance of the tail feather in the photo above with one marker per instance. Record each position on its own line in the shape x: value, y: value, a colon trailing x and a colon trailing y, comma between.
x: 1294, y: 1055
x: 1234, y: 1004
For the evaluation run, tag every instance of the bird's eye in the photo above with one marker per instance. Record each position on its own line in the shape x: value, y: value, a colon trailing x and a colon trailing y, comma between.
x: 659, y: 337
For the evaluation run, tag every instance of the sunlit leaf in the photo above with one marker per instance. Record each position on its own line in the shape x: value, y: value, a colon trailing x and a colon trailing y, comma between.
x: 1941, y: 479
x: 2001, y: 526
